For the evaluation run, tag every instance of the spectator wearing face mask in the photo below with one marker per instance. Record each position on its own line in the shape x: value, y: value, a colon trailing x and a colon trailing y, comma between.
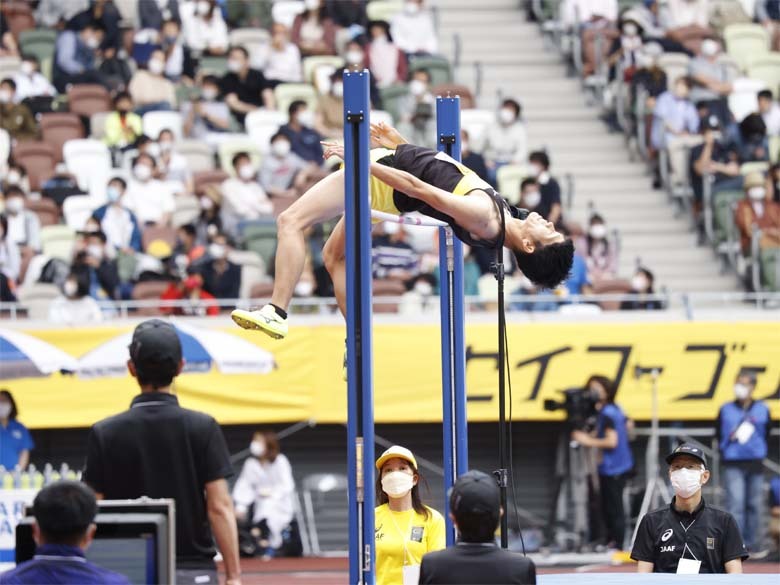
x: 190, y: 289
x: 15, y: 440
x: 304, y: 140
x: 173, y: 167
x: 417, y: 110
x: 100, y: 264
x: 16, y: 177
x: 243, y: 199
x: 599, y: 252
x: 384, y: 58
x: 15, y: 118
x: 245, y: 89
x: 626, y: 48
x: 743, y: 435
x: 74, y: 306
x: 150, y: 90
x: 178, y: 58
x: 30, y: 82
x: 10, y: 263
x: 770, y: 112
x: 155, y: 13
x: 123, y: 126
x: 329, y: 119
x: 716, y: 157
x: 471, y: 159
x: 539, y: 166
x: 413, y: 29
x: 506, y: 141
x: 712, y: 82
x: 283, y: 174
x: 757, y: 210
x: 205, y: 31
x: 642, y: 286
x: 106, y: 13
x: 24, y: 227
x: 187, y: 244
x: 675, y: 127
x: 116, y: 221
x: 209, y: 223
x: 313, y: 30
x: 74, y: 56
x: 265, y: 488
x: 206, y: 118
x: 221, y: 278
x: 149, y: 199
x: 687, y: 23
x: 751, y: 139
x: 283, y: 64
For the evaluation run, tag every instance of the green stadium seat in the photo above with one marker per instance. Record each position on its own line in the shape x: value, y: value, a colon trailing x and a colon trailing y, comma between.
x: 287, y: 93
x: 238, y: 143
x: 769, y: 259
x: 384, y: 9
x: 260, y: 237
x: 39, y: 42
x: 438, y: 67
x: 213, y: 66
x: 392, y: 97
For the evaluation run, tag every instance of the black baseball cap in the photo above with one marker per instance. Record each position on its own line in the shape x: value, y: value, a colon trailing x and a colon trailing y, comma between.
x: 475, y: 493
x: 155, y: 341
x: 687, y: 449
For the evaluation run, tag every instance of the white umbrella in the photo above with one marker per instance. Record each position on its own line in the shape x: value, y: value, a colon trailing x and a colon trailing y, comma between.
x: 25, y: 356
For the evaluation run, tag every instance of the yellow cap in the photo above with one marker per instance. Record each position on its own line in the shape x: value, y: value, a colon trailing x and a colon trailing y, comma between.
x: 159, y: 249
x: 396, y: 451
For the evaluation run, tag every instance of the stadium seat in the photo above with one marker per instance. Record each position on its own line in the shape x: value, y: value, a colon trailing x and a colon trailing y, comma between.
x: 743, y: 99
x: 453, y: 89
x: 744, y: 42
x: 59, y: 127
x: 318, y: 69
x: 5, y: 150
x: 37, y: 298
x: 149, y: 290
x: 438, y: 67
x: 392, y: 97
x: 77, y: 209
x: 262, y: 124
x: 152, y: 233
x: 254, y: 40
x: 97, y: 125
x: 753, y: 167
x: 285, y: 11
x: 261, y: 290
x: 186, y: 211
x: 769, y: 260
x: 387, y: 287
x: 89, y: 161
x: 57, y: 241
x: 203, y: 179
x: 155, y: 122
x: 260, y: 237
x: 287, y: 93
x: 9, y: 66
x: 228, y: 148
x: 476, y: 123
x: 384, y: 9
x: 766, y: 67
x: 213, y: 66
x: 322, y: 492
x: 38, y: 158
x: 18, y: 16
x: 87, y: 98
x: 611, y: 287
x: 46, y: 209
x: 509, y: 178
x: 198, y: 154
x: 39, y: 42
x: 675, y: 65
x: 250, y: 275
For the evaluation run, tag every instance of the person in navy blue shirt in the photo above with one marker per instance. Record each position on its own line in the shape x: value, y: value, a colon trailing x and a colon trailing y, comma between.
x: 304, y: 141
x: 64, y: 528
x: 15, y: 440
x: 743, y: 434
x: 611, y: 436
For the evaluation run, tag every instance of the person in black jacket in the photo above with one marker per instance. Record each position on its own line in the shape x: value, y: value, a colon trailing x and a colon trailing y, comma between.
x: 475, y: 507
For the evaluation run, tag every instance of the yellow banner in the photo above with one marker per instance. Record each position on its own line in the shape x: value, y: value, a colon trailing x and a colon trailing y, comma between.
x: 700, y: 362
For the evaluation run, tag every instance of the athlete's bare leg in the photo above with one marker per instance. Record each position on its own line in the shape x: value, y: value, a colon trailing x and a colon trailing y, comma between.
x: 334, y: 256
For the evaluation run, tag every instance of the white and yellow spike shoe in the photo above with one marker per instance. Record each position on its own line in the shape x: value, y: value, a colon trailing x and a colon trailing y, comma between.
x: 266, y: 320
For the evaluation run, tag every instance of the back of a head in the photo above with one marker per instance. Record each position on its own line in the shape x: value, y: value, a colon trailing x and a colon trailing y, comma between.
x: 63, y: 511
x: 156, y: 353
x: 475, y: 502
x: 548, y: 265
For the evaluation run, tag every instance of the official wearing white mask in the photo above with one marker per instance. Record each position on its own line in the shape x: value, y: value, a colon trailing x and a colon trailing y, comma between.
x: 688, y: 536
x: 405, y: 528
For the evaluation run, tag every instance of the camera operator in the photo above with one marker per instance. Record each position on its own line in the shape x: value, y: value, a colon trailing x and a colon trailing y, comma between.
x: 611, y: 437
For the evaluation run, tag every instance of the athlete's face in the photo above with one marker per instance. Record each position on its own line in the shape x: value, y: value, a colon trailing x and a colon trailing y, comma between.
x: 526, y: 234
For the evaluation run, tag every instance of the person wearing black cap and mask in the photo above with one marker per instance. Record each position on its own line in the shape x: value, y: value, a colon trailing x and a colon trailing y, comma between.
x: 160, y: 450
x: 475, y: 508
x: 688, y: 536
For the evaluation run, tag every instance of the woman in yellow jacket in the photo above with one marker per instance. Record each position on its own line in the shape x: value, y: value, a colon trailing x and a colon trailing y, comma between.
x: 405, y: 528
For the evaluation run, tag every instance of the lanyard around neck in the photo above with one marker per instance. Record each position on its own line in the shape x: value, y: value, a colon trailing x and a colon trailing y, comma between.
x: 404, y: 535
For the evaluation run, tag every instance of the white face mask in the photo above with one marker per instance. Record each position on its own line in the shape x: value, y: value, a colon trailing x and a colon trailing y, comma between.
x: 93, y: 43
x: 686, y: 482
x: 113, y: 194
x: 464, y: 145
x: 14, y: 205
x: 234, y: 66
x: 153, y: 150
x: 417, y: 87
x: 741, y: 392
x: 338, y: 90
x: 70, y: 288
x: 142, y: 172
x: 281, y: 148
x: 5, y: 96
x: 397, y: 484
x: 306, y: 118
x: 411, y: 8
x: 95, y: 250
x: 532, y: 198
x: 5, y: 410
x: 13, y: 177
x: 206, y: 203
x: 630, y: 29
x: 506, y: 116
x: 709, y: 48
x: 203, y: 8
x: 423, y: 288
x: 217, y: 251
x: 166, y: 146
x: 304, y: 288
x: 757, y: 193
x: 210, y: 94
x: 257, y: 448
x: 638, y: 283
x: 246, y: 172
x: 598, y: 231
x: 156, y: 66
x: 28, y: 68
x: 354, y: 57
x: 535, y: 169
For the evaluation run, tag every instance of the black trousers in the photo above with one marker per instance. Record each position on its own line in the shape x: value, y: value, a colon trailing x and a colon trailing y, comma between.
x: 612, y: 507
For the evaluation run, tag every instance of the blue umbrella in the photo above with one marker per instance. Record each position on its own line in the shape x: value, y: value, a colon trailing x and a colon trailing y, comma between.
x: 25, y: 356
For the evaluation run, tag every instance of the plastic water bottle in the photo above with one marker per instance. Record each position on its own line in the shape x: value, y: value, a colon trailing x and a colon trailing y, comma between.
x: 25, y: 480
x: 8, y: 481
x: 47, y: 473
x: 17, y: 477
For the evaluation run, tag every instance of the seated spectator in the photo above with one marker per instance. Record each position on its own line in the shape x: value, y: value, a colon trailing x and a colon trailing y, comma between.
x: 550, y: 207
x: 75, y: 306
x: 187, y: 244
x: 221, y: 278
x: 642, y: 286
x: 299, y: 130
x: 154, y: 13
x: 329, y: 119
x: 648, y: 76
x: 24, y: 227
x: 531, y: 196
x: 206, y: 117
x: 506, y: 140
x: 17, y: 440
x: 10, y: 264
x: 386, y: 61
x: 100, y: 263
x: 283, y: 174
x: 178, y: 58
x: 392, y: 256
x: 600, y: 254
x: 313, y: 31
x: 63, y: 530
x: 758, y: 210
x: 74, y: 57
x: 105, y: 13
x: 172, y: 166
x: 417, y: 111
x: 191, y: 289
x: 149, y: 199
x: 150, y: 90
x: 594, y: 18
x: 770, y: 112
x: 116, y: 221
x: 651, y: 19
x: 626, y: 48
x: 687, y: 23
x: 266, y: 488
x: 471, y: 159
x: 717, y: 157
x: 123, y: 125
x: 578, y: 281
x: 209, y: 223
x: 8, y: 45
x: 413, y: 29
x: 15, y: 118
x: 16, y: 177
x: 712, y: 82
x: 283, y: 64
x: 244, y: 89
x: 31, y: 83
x: 768, y: 14
x: 205, y: 31
x: 675, y: 127
x: 243, y: 199
x: 751, y: 139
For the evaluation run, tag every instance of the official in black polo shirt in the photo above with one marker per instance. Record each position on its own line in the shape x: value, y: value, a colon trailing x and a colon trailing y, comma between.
x: 160, y: 450
x: 688, y: 536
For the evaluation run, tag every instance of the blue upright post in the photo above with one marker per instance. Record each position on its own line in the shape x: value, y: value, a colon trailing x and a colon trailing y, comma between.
x: 360, y: 423
x: 451, y: 300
